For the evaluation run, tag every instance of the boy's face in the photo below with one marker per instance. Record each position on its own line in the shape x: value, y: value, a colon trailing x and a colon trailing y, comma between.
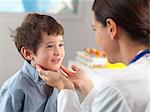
x: 50, y: 52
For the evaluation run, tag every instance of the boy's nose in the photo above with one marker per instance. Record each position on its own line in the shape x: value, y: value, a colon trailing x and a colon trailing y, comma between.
x: 56, y: 52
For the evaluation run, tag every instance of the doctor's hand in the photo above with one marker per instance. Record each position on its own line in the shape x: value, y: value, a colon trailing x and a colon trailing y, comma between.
x: 55, y: 79
x: 79, y: 78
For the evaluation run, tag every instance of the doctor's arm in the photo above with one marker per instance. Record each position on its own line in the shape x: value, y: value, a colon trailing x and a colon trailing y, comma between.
x: 103, y: 98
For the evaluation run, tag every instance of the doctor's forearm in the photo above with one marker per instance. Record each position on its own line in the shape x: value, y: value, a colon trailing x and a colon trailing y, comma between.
x: 68, y: 101
x: 86, y: 87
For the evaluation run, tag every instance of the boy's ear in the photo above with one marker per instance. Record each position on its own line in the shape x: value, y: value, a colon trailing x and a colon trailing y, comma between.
x: 26, y: 53
x: 112, y: 28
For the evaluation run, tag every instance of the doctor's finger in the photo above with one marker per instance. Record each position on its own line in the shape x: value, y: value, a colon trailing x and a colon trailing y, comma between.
x: 67, y: 71
x: 40, y: 70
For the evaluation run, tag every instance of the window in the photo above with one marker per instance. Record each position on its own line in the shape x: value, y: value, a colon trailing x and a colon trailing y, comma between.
x: 43, y: 6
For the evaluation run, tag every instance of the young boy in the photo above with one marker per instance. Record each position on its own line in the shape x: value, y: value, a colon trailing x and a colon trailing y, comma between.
x: 39, y: 40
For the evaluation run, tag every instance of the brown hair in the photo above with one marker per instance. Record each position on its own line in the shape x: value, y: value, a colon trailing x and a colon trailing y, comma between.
x: 131, y: 15
x: 29, y: 34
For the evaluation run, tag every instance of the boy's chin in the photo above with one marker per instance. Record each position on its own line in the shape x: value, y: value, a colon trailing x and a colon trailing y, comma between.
x: 53, y: 69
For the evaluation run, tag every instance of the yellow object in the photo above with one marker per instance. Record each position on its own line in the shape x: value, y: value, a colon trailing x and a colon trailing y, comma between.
x: 96, y: 59
x: 115, y: 66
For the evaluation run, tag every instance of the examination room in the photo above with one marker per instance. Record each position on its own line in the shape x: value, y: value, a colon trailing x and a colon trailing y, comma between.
x: 74, y: 55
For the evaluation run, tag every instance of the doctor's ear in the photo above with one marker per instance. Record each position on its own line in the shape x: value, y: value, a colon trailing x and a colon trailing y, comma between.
x: 26, y: 53
x: 112, y: 28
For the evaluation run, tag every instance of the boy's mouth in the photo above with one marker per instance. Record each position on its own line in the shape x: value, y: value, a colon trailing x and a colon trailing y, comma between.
x: 56, y: 61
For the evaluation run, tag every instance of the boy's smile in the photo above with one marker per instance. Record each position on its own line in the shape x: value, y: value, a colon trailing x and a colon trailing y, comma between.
x: 56, y: 61
x: 50, y: 52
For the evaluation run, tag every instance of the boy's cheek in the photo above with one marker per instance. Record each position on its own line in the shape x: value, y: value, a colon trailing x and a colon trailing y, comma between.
x: 64, y: 54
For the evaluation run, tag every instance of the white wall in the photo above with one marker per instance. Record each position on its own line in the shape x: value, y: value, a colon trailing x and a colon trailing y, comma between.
x: 78, y: 35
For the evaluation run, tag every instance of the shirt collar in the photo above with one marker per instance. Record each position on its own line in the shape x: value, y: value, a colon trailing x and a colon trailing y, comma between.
x: 140, y: 55
x: 31, y: 72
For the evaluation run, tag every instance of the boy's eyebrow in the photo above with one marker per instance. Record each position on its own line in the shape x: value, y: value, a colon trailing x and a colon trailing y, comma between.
x: 53, y: 42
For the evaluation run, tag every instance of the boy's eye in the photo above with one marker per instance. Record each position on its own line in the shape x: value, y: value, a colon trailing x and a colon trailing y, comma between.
x: 50, y: 46
x: 61, y: 45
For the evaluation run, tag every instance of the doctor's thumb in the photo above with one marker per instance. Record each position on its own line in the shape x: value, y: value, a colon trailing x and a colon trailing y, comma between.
x: 39, y: 70
x: 75, y: 68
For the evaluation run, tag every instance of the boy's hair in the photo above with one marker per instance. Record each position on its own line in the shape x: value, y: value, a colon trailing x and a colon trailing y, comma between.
x: 29, y: 34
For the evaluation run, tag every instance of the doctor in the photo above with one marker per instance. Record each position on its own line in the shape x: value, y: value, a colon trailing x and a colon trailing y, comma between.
x: 122, y: 30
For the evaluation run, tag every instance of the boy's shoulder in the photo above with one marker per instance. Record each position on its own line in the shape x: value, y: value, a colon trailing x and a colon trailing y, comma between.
x: 17, y: 82
x: 21, y: 81
x: 12, y: 82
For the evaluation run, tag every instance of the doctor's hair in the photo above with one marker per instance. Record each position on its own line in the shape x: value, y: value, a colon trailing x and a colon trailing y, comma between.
x: 29, y: 34
x: 131, y: 15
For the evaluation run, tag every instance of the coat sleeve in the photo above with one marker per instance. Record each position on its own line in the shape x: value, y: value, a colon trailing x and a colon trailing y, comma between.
x: 68, y: 101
